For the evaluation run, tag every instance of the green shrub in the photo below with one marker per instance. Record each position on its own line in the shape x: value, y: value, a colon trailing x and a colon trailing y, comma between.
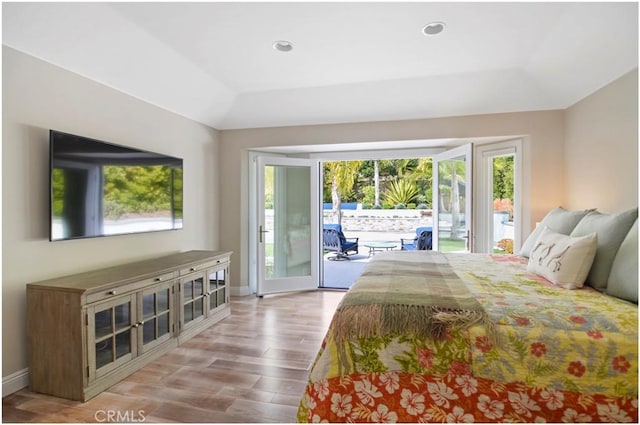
x: 400, y: 206
x: 422, y: 206
x: 368, y: 195
x: 386, y: 205
x: 411, y: 206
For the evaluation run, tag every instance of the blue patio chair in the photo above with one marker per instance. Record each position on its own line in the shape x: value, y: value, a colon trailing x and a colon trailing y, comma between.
x: 422, y: 242
x: 334, y: 240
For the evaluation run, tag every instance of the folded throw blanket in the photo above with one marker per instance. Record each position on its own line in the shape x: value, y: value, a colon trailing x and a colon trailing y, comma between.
x: 407, y: 291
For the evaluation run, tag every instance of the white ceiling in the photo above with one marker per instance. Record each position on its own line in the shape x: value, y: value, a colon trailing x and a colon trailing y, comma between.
x: 351, y: 62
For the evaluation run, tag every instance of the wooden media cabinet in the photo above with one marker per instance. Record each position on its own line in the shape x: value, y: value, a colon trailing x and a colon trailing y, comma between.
x: 88, y: 331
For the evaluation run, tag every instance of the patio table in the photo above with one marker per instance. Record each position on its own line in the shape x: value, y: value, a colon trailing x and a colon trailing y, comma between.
x: 379, y: 246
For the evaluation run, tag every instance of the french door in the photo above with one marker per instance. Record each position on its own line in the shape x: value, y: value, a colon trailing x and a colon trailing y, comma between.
x: 452, y: 189
x: 287, y: 232
x: 498, y: 206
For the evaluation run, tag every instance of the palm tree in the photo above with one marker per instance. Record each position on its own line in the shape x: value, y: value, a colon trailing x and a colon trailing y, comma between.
x: 343, y: 176
x: 423, y: 176
x: 403, y: 167
x: 425, y: 167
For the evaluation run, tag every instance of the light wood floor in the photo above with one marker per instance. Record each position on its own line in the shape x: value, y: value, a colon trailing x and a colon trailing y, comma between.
x: 250, y: 367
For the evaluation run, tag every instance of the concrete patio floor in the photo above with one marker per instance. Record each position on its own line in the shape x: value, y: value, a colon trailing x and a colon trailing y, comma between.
x: 342, y: 274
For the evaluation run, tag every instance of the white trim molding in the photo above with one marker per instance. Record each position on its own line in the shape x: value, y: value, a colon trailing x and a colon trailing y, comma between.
x: 15, y: 382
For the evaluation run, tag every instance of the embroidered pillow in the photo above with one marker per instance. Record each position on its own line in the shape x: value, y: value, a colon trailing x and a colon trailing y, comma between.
x: 563, y: 260
x: 559, y: 220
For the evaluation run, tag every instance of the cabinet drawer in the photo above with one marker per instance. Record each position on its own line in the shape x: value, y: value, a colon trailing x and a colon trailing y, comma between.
x: 123, y: 289
x: 203, y: 266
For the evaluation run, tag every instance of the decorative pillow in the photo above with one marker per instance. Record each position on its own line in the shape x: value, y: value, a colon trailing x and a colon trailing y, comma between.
x: 563, y: 260
x: 611, y: 230
x: 559, y: 220
x: 623, y: 279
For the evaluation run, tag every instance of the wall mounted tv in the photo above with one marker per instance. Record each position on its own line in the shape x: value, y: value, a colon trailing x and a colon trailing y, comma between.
x: 102, y: 189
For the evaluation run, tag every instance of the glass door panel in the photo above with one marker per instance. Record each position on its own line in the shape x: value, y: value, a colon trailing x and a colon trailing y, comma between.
x: 123, y: 343
x: 111, y: 325
x: 288, y: 225
x: 222, y: 286
x: 148, y: 331
x: 503, y: 185
x: 122, y: 316
x: 156, y: 315
x: 193, y: 291
x: 113, y: 337
x: 198, y: 311
x: 217, y: 289
x: 164, y: 324
x: 102, y: 326
x: 452, y: 200
x: 104, y: 352
x: 188, y: 313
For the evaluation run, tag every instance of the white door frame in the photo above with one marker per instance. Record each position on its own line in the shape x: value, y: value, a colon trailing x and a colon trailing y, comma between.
x: 467, y: 151
x: 483, y: 156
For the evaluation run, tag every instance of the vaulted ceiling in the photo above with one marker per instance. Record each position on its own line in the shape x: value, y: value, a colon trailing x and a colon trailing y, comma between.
x: 351, y: 62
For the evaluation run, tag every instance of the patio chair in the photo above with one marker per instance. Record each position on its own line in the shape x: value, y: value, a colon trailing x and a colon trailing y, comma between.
x: 422, y: 241
x: 334, y: 240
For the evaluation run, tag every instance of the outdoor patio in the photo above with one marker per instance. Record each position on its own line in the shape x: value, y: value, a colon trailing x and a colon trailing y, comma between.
x: 342, y: 274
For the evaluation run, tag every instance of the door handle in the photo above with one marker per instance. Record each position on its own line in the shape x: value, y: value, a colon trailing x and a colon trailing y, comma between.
x: 467, y: 242
x: 262, y: 232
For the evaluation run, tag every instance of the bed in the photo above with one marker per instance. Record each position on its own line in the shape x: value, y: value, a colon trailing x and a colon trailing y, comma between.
x: 424, y: 336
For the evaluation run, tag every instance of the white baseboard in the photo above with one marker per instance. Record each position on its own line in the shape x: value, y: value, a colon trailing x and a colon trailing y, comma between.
x: 240, y: 291
x: 15, y: 382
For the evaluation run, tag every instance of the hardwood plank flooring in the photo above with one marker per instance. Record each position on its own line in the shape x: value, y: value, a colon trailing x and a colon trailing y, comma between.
x: 249, y: 368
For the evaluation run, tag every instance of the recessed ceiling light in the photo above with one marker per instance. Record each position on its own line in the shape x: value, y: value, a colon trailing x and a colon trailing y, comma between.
x: 433, y: 28
x: 283, y: 46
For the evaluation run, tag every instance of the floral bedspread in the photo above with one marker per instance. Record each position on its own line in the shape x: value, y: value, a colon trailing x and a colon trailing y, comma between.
x: 561, y: 356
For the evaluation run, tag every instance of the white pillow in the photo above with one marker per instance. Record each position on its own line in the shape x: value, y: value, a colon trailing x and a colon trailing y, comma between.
x: 563, y: 260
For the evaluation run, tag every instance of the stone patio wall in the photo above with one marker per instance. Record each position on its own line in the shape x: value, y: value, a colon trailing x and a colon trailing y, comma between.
x: 372, y: 220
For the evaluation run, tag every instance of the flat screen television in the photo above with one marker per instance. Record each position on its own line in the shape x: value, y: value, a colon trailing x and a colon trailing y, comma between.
x: 102, y: 189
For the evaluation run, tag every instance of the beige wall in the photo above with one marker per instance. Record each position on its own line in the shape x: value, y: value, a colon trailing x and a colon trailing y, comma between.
x: 602, y: 148
x: 37, y: 97
x: 543, y: 134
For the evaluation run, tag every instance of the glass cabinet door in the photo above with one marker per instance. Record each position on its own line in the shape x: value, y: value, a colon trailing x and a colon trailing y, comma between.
x: 155, y: 316
x: 217, y: 288
x: 111, y: 324
x: 193, y: 299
